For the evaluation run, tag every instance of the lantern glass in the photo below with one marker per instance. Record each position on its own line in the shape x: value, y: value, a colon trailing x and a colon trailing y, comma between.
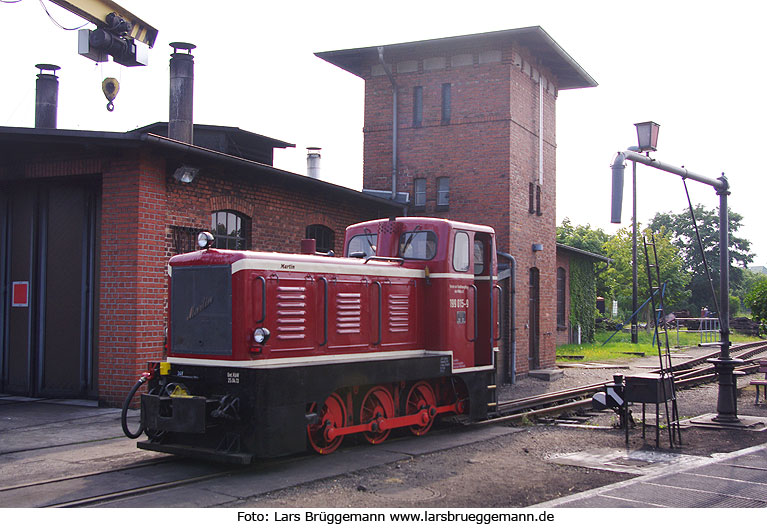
x: 647, y: 135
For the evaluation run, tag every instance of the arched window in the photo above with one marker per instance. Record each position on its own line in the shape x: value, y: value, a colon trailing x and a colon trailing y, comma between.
x: 561, y: 297
x: 326, y: 239
x: 231, y: 229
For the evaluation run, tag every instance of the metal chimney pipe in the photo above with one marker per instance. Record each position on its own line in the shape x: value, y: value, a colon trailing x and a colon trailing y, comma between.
x: 47, y: 97
x: 313, y: 162
x: 181, y: 122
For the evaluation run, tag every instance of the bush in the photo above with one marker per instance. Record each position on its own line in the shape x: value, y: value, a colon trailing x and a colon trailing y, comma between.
x: 608, y: 325
x: 756, y: 300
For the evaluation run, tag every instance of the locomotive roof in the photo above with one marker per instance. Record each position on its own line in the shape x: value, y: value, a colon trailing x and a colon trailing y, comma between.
x: 428, y: 220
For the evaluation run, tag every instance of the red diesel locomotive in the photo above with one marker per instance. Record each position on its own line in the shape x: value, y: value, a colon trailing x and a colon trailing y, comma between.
x: 271, y: 353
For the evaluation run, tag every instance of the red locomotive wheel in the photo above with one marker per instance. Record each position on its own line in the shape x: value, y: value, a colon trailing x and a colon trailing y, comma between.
x: 421, y: 397
x: 333, y: 415
x: 377, y: 404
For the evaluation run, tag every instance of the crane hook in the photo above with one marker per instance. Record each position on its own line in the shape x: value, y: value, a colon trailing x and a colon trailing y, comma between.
x: 110, y: 86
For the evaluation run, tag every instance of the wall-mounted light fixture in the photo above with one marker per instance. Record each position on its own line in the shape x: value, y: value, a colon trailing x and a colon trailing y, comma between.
x: 185, y: 174
x: 537, y: 247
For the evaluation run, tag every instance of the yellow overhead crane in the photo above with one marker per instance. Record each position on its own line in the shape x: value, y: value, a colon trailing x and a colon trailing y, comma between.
x: 119, y: 33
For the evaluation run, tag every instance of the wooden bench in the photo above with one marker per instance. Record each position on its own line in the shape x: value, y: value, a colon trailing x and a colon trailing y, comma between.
x: 761, y: 383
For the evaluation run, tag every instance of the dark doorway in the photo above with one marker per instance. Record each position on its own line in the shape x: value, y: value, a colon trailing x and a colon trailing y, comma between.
x: 50, y: 249
x: 534, y: 357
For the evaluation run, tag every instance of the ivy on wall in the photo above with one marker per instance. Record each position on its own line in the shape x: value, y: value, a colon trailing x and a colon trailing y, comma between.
x: 583, y: 297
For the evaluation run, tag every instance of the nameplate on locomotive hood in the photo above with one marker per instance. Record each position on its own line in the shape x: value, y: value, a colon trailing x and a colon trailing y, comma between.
x: 194, y: 310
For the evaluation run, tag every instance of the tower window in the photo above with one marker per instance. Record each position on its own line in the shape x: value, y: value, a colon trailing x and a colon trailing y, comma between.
x: 531, y: 198
x: 443, y: 192
x: 446, y: 103
x: 538, y: 201
x: 417, y: 106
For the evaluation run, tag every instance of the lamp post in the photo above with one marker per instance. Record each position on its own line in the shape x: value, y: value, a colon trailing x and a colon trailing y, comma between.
x: 647, y: 140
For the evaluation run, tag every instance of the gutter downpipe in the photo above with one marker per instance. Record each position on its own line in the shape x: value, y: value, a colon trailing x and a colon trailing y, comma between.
x: 513, y: 316
x: 727, y: 404
x: 395, y: 117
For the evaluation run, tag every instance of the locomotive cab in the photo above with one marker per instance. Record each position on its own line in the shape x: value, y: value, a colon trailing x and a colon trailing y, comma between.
x: 458, y: 259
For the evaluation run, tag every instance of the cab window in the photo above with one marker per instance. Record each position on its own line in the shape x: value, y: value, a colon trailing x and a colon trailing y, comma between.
x: 479, y: 257
x: 362, y: 245
x: 418, y: 245
x: 461, y: 252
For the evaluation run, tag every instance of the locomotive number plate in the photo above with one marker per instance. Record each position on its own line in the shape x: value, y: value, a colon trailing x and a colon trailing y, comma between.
x: 459, y: 303
x: 232, y: 378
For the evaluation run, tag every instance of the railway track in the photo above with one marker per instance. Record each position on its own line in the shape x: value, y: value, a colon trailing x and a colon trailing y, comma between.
x: 66, y: 491
x: 570, y: 400
x: 128, y: 482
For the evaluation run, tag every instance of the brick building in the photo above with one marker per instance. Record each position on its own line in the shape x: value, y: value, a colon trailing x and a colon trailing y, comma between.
x: 89, y: 219
x: 472, y: 137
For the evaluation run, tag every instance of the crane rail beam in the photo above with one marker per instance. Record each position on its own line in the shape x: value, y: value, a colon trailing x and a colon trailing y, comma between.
x: 96, y: 11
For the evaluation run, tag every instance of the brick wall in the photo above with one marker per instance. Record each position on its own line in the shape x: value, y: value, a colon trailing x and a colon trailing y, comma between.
x: 490, y: 151
x: 279, y: 213
x: 132, y: 270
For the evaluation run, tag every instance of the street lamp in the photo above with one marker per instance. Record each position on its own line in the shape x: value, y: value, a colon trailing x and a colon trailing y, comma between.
x: 647, y: 135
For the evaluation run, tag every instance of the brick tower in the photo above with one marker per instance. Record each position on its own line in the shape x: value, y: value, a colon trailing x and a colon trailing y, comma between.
x: 464, y: 128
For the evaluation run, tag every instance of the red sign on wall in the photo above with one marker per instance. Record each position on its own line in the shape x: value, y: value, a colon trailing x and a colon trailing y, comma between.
x: 20, y: 294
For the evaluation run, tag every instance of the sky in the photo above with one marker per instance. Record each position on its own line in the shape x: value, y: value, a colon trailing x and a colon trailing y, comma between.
x: 694, y: 67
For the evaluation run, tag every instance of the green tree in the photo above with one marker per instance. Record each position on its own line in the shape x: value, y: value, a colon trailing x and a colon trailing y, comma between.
x: 619, y: 273
x: 756, y: 301
x: 750, y: 280
x: 682, y: 233
x: 582, y: 237
x: 591, y: 240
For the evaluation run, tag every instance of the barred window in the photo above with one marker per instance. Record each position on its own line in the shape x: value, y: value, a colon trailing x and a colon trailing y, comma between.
x: 231, y: 229
x: 184, y: 239
x: 323, y: 235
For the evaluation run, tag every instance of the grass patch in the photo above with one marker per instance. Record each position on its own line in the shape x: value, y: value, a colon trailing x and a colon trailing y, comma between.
x: 621, y: 348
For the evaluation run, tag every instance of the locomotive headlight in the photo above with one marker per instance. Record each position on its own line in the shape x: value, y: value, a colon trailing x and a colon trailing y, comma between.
x: 205, y: 239
x: 261, y: 335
